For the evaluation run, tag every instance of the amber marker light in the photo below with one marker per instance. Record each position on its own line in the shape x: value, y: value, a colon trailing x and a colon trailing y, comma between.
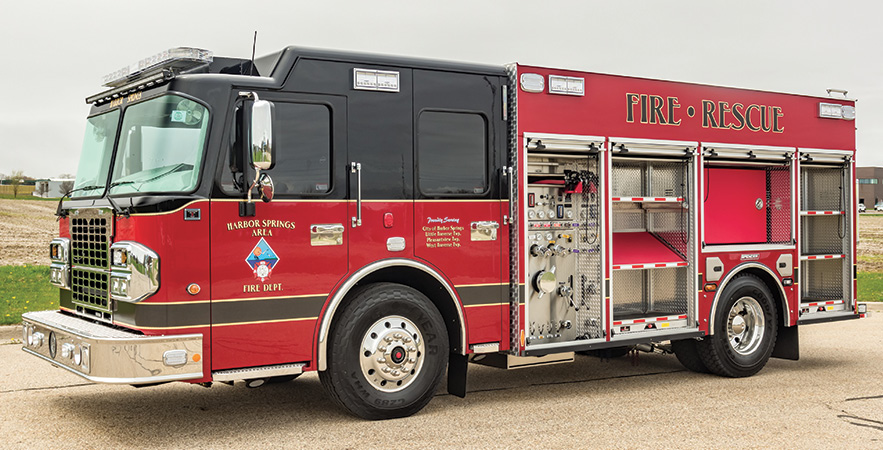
x: 710, y: 287
x: 193, y: 289
x: 196, y: 357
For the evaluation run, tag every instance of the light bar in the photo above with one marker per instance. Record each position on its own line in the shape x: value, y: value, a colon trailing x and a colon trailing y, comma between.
x: 836, y: 111
x: 179, y: 58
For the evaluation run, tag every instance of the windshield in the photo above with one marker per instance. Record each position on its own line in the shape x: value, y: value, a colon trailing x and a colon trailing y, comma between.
x: 96, y: 154
x: 160, y: 148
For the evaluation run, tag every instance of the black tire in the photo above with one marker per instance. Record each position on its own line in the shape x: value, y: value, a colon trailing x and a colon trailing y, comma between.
x: 723, y: 356
x: 608, y: 353
x: 376, y: 312
x: 687, y: 352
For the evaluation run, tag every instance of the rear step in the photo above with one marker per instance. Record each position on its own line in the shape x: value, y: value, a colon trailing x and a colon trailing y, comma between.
x: 250, y: 373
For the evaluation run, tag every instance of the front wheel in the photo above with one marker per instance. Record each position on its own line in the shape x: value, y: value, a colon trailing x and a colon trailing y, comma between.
x: 387, y: 352
x: 745, y: 327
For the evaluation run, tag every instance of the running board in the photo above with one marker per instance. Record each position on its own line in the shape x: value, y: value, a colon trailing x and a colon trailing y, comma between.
x: 505, y: 361
x: 250, y: 373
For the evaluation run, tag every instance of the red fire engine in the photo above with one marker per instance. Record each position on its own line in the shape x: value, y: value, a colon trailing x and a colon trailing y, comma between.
x: 420, y: 215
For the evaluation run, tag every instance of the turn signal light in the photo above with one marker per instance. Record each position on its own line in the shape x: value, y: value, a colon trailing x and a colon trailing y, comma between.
x: 710, y: 287
x: 193, y: 289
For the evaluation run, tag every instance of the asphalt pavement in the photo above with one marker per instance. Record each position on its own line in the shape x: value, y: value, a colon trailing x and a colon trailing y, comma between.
x: 831, y: 398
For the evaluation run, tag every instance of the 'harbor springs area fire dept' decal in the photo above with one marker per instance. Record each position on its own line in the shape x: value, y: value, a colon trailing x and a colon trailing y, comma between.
x: 262, y: 259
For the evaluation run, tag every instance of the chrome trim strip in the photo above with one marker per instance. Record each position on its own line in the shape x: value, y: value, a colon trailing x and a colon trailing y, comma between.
x: 735, y: 271
x: 738, y: 248
x: 362, y: 273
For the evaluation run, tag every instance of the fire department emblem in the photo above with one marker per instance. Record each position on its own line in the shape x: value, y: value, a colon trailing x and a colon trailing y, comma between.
x: 262, y: 260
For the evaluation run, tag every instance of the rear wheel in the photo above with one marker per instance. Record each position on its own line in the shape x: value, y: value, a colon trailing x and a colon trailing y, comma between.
x: 387, y: 352
x: 745, y: 327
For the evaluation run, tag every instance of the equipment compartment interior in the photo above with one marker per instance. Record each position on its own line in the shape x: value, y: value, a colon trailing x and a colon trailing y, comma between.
x: 652, y: 251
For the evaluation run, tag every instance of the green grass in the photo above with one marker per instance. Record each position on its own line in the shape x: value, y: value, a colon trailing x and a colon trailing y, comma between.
x: 23, y: 289
x: 870, y: 286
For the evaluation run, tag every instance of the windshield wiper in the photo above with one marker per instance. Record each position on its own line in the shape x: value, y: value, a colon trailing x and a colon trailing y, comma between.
x: 59, y: 212
x: 175, y: 168
x: 116, y: 208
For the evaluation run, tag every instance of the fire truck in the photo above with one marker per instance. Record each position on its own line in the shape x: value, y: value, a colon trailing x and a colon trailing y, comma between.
x: 385, y: 221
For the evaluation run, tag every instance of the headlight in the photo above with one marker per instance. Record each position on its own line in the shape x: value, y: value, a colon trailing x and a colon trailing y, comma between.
x: 134, y: 271
x: 59, y: 249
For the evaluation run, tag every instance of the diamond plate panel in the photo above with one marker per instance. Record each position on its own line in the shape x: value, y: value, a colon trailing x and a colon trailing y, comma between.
x: 822, y: 235
x: 822, y: 189
x: 778, y: 203
x: 822, y: 279
x: 629, y: 179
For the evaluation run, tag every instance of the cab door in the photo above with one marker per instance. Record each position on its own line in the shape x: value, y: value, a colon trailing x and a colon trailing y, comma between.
x: 458, y: 214
x: 272, y: 272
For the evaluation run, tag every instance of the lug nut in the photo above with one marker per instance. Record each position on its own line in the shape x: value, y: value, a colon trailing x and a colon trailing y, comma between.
x: 406, y: 340
x: 395, y: 373
x: 412, y: 360
x: 385, y: 370
x: 381, y: 360
x: 388, y: 339
x: 412, y: 349
x: 382, y: 348
x: 397, y: 335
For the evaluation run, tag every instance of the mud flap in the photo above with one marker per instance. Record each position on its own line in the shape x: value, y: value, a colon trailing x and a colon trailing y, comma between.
x: 457, y: 366
x: 787, y: 344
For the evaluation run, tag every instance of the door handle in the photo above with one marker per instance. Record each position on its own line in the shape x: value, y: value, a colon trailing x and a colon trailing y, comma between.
x: 356, y: 168
x: 485, y: 230
x: 326, y: 234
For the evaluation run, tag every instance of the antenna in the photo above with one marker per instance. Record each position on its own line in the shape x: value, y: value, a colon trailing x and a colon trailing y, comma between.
x: 253, y: 46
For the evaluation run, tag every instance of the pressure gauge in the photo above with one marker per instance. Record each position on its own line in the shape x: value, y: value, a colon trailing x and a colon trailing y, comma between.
x: 549, y: 236
x: 541, y: 214
x: 531, y: 214
x: 551, y: 213
x: 569, y: 214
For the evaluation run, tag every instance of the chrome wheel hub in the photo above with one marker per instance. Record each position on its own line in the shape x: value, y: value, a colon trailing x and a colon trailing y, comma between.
x: 392, y: 353
x: 745, y: 326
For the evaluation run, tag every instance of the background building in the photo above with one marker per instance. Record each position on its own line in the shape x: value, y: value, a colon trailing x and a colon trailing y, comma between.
x: 870, y: 185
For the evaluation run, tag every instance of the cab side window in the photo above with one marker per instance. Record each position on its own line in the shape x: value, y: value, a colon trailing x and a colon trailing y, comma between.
x: 452, y: 154
x: 303, y: 149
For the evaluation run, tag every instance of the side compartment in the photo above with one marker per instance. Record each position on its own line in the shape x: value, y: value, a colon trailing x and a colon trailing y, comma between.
x: 826, y: 236
x: 653, y: 247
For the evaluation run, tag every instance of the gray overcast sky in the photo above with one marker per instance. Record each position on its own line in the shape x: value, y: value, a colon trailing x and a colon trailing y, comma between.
x: 55, y: 53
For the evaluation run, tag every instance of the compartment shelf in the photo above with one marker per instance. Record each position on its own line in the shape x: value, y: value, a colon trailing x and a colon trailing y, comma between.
x: 642, y: 250
x: 817, y: 257
x: 821, y: 213
x: 648, y: 199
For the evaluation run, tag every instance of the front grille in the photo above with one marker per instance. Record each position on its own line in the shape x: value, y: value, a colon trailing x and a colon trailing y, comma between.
x: 89, y: 241
x: 90, y: 231
x: 89, y: 288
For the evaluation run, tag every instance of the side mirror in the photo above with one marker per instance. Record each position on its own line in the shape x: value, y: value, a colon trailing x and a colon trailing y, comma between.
x: 263, y: 149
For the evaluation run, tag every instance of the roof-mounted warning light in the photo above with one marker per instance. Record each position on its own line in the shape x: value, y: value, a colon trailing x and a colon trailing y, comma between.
x: 175, y: 59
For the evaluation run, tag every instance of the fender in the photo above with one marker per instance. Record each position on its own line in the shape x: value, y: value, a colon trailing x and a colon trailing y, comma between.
x: 344, y: 289
x: 737, y: 270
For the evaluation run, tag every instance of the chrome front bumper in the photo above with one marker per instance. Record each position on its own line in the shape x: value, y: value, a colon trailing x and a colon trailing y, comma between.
x: 103, y: 354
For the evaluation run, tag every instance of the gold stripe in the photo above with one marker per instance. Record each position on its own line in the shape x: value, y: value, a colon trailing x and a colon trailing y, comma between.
x: 139, y: 327
x: 487, y: 304
x: 264, y: 321
x: 267, y: 298
x: 483, y: 284
x: 172, y: 211
x: 280, y: 200
x: 452, y: 200
x: 193, y: 302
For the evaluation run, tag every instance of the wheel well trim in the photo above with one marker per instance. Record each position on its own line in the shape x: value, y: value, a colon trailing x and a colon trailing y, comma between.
x: 337, y: 298
x: 783, y: 298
